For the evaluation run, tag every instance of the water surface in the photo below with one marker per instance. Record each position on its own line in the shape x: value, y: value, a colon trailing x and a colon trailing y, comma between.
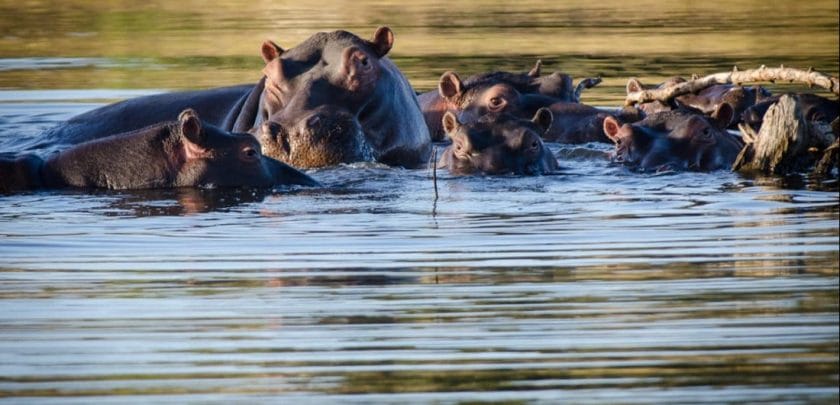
x: 594, y: 285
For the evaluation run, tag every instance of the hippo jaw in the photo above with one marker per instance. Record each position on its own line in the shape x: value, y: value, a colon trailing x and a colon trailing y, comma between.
x: 321, y: 139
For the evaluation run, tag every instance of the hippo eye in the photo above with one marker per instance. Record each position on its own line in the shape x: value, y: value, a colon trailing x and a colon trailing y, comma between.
x: 250, y: 153
x: 496, y: 101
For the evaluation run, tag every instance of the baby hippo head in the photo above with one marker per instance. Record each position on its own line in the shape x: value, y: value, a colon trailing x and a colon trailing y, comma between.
x: 209, y: 155
x: 498, y: 144
x: 325, y: 136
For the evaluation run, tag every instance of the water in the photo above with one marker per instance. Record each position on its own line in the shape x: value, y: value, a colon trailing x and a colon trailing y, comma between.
x: 596, y: 285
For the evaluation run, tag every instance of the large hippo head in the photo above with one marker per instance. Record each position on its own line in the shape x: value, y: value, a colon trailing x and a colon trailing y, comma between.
x: 675, y: 140
x: 498, y: 144
x: 490, y: 93
x: 335, y: 68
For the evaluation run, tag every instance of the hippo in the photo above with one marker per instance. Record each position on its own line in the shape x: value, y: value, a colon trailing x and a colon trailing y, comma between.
x: 707, y: 100
x: 488, y: 91
x: 681, y: 139
x: 351, y: 75
x: 337, y: 68
x: 814, y: 108
x: 327, y: 136
x: 573, y: 122
x: 498, y: 143
x: 184, y: 153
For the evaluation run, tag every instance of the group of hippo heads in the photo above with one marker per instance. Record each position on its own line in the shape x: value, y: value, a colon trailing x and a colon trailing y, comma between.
x: 337, y: 98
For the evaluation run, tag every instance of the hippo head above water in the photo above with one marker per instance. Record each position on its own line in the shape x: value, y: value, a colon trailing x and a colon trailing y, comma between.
x: 335, y: 68
x: 675, y: 140
x: 498, y: 144
x: 707, y: 100
x: 325, y: 136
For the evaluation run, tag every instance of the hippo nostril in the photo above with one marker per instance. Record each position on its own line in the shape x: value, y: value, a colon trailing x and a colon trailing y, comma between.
x: 314, y: 121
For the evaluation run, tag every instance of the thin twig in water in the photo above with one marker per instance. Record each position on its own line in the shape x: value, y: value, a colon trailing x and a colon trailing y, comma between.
x: 434, y: 171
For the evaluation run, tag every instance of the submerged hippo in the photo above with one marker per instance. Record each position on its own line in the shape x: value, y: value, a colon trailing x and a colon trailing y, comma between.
x: 707, y: 100
x: 573, y: 122
x: 814, y: 108
x: 497, y: 92
x: 498, y: 143
x: 335, y: 68
x: 680, y: 139
x: 184, y: 153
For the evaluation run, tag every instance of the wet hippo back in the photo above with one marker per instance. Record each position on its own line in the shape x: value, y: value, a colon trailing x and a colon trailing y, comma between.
x: 393, y: 122
x: 129, y: 115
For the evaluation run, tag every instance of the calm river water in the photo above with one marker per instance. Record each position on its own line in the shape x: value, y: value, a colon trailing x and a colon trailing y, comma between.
x: 595, y: 285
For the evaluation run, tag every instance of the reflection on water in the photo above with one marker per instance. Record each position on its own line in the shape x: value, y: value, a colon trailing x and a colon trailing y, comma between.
x: 593, y: 285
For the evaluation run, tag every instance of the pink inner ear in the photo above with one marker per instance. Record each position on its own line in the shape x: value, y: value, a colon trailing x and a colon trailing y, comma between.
x: 274, y: 71
x: 612, y: 129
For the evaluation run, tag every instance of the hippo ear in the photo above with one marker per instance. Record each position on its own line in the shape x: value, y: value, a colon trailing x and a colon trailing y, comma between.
x: 383, y: 40
x: 611, y: 128
x: 634, y: 85
x: 450, y: 86
x: 723, y: 115
x: 450, y: 122
x: 270, y: 51
x: 543, y: 118
x: 535, y: 71
x: 191, y: 126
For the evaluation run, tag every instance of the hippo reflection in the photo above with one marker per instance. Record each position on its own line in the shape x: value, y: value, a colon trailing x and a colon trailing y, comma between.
x: 498, y: 144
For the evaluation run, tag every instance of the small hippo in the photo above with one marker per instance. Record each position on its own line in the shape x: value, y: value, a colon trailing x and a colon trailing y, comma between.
x: 573, y: 122
x: 185, y: 153
x: 814, y: 108
x: 680, y: 139
x: 707, y: 100
x: 496, y: 92
x: 498, y: 143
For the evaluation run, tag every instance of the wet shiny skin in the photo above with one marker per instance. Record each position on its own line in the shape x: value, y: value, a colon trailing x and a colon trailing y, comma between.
x: 592, y: 285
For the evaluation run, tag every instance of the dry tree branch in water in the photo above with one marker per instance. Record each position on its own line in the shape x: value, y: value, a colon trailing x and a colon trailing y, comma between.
x: 762, y: 74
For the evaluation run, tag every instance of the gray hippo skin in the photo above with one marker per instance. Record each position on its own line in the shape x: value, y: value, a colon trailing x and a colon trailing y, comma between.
x: 454, y: 95
x: 680, y: 139
x: 814, y: 108
x: 707, y: 100
x: 312, y: 89
x: 185, y: 153
x: 573, y: 122
x: 498, y: 143
x: 213, y: 105
x: 337, y: 69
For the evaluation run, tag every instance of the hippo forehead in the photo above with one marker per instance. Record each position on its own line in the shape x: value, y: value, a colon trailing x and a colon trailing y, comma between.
x: 312, y: 50
x: 496, y: 128
x: 473, y: 93
x: 519, y: 81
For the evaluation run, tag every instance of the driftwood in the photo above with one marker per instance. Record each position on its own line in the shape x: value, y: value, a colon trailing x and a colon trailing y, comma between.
x: 786, y: 141
x: 762, y: 74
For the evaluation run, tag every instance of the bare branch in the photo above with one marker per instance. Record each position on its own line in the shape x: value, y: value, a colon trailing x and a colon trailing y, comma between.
x: 762, y: 74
